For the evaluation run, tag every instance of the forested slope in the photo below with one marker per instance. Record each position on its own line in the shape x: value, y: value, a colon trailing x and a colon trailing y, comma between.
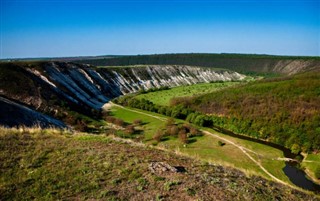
x: 283, y: 110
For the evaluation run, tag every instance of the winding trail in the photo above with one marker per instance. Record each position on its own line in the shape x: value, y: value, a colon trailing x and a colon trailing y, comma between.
x: 246, y: 153
x: 243, y: 149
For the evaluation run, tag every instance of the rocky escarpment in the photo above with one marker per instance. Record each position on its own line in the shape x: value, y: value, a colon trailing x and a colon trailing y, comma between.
x: 53, y: 87
x: 13, y: 114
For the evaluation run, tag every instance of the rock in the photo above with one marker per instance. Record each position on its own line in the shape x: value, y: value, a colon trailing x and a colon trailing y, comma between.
x: 161, y: 167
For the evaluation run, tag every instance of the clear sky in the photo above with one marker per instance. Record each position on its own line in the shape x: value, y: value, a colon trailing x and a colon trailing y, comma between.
x: 55, y: 28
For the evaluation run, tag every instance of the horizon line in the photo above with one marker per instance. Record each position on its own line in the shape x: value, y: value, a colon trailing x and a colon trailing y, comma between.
x: 150, y: 54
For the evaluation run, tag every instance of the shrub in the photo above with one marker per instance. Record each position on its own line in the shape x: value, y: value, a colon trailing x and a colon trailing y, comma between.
x: 183, y: 136
x: 137, y: 122
x: 119, y: 122
x: 187, y: 126
x: 173, y: 130
x: 221, y: 143
x: 110, y: 119
x: 158, y: 136
x: 130, y: 129
x: 194, y: 132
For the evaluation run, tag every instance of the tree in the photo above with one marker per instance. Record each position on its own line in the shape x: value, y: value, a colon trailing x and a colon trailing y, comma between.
x: 191, y: 117
x: 199, y: 120
x: 295, y: 148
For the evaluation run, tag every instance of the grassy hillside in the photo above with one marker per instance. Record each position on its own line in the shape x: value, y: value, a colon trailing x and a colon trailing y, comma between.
x: 50, y: 165
x: 283, y: 110
x: 245, y: 63
x: 205, y: 147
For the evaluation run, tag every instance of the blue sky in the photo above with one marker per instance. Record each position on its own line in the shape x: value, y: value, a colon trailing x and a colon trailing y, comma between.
x: 55, y: 28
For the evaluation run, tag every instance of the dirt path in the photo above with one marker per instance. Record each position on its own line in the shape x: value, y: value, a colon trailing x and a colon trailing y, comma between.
x: 308, y: 161
x: 243, y: 149
x: 246, y: 153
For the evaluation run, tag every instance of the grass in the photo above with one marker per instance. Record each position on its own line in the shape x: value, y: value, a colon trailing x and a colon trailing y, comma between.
x: 207, y: 147
x: 163, y: 97
x: 264, y: 154
x: 149, y: 124
x: 56, y: 165
x: 311, y: 163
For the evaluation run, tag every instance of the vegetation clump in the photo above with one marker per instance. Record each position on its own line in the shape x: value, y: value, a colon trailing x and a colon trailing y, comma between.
x: 137, y: 122
x: 221, y: 144
x: 158, y: 135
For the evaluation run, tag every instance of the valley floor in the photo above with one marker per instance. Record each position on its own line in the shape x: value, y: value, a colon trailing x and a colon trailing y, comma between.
x: 250, y: 157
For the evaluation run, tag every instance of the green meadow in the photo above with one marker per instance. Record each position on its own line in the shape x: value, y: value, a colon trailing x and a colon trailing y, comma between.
x: 163, y: 97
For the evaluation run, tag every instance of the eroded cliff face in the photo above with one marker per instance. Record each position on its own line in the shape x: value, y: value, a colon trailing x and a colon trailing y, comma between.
x: 96, y: 86
x: 52, y: 87
x: 13, y: 114
x: 291, y: 67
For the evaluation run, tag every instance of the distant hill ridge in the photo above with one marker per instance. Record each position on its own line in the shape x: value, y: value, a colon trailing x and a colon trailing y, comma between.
x: 243, y: 63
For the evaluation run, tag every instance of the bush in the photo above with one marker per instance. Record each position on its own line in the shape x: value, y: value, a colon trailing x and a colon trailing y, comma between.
x: 110, y: 119
x: 158, y: 136
x: 221, y: 143
x: 183, y: 136
x: 173, y: 130
x: 194, y: 132
x: 119, y: 122
x: 130, y: 129
x: 137, y: 122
